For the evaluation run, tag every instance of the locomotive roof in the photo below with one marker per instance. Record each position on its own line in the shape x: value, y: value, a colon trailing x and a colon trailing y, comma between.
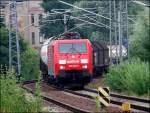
x: 53, y: 42
x: 70, y: 40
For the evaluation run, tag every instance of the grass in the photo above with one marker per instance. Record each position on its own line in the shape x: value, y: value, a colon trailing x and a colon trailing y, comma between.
x: 100, y: 81
x: 130, y: 77
x: 98, y: 104
x: 13, y: 97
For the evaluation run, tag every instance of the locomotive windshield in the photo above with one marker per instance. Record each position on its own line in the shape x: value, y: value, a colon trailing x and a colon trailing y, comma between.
x: 72, y: 48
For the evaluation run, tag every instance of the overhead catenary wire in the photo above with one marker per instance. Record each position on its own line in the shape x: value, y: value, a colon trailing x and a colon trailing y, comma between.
x: 41, y: 21
x: 141, y: 3
x: 83, y: 9
x: 98, y: 22
x: 80, y: 19
x: 76, y: 27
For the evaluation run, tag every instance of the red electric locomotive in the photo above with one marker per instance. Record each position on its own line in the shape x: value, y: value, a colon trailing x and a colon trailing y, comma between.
x: 70, y: 60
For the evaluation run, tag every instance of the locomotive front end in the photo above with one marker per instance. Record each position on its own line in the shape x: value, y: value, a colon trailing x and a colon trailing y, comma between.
x: 74, y: 60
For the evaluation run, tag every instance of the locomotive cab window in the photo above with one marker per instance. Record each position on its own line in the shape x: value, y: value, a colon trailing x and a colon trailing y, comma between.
x: 73, y: 48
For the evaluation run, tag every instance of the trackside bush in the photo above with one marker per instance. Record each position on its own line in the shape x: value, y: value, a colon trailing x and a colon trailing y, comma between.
x: 14, y: 99
x: 131, y: 77
x: 30, y: 64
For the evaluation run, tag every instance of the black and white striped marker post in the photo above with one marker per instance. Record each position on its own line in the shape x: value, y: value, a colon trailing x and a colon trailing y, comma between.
x: 104, y: 96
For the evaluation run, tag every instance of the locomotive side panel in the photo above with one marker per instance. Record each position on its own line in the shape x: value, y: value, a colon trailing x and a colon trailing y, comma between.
x: 50, y: 55
x: 90, y: 57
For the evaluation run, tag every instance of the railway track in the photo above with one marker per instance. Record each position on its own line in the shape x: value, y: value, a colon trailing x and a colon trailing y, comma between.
x: 116, y: 99
x: 63, y: 99
x: 136, y: 103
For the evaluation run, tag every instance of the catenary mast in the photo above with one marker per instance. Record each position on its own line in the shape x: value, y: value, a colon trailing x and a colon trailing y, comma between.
x: 14, y: 50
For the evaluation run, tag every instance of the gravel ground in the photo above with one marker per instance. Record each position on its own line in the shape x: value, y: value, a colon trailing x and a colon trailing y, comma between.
x: 59, y: 95
x: 76, y: 101
x: 50, y: 107
x: 47, y: 106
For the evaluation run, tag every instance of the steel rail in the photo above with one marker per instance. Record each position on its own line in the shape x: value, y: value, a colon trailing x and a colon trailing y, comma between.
x: 112, y: 101
x: 121, y: 96
x: 137, y: 107
x: 134, y: 106
x: 130, y: 98
x: 57, y: 102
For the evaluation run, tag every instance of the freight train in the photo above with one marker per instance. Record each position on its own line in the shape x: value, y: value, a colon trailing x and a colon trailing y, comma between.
x: 71, y: 58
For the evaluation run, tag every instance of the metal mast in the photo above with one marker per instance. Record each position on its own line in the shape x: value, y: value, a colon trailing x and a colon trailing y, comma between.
x: 120, y: 30
x: 123, y: 29
x: 110, y: 37
x: 115, y: 32
x: 14, y: 51
x: 65, y: 22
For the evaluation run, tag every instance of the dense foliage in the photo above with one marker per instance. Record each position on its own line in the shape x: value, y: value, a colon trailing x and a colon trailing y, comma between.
x: 131, y: 77
x: 4, y: 45
x: 29, y: 57
x: 54, y: 4
x: 14, y: 98
x: 2, y: 22
x: 140, y: 46
x: 56, y: 27
x: 30, y: 64
x: 4, y: 50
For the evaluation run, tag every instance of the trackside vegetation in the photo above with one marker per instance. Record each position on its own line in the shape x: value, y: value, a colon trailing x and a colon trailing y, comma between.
x: 14, y: 99
x: 30, y: 64
x: 29, y: 56
x: 139, y: 39
x: 131, y: 77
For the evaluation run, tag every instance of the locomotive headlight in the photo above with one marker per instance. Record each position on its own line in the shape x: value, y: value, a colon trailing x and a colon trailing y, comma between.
x: 62, y: 67
x: 84, y: 60
x: 62, y: 61
x: 84, y: 66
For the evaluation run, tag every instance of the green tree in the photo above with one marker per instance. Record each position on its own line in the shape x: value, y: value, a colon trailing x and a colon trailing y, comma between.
x: 4, y: 46
x: 29, y: 57
x: 30, y: 64
x: 56, y: 27
x: 48, y: 5
x: 97, y: 36
x: 89, y: 30
x: 139, y: 41
x: 2, y: 22
x: 134, y: 9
